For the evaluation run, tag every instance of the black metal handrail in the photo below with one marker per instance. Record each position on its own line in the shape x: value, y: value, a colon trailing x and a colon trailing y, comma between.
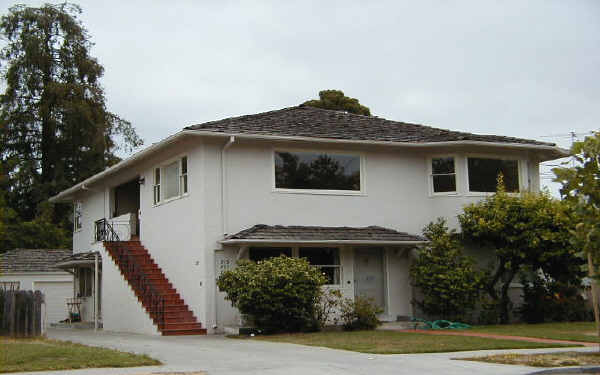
x: 133, y: 271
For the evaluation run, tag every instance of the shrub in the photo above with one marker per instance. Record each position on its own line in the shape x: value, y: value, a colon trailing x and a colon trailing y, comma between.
x: 327, y: 309
x: 279, y: 294
x: 546, y: 300
x: 360, y: 314
x: 449, y: 283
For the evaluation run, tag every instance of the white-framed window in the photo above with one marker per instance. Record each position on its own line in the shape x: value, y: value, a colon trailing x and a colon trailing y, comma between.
x: 483, y: 172
x: 326, y: 259
x: 170, y: 180
x: 318, y: 172
x: 10, y: 285
x: 442, y: 176
x: 77, y: 216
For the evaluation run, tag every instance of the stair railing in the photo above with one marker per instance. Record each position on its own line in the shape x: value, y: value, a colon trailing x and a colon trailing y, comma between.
x: 134, y: 273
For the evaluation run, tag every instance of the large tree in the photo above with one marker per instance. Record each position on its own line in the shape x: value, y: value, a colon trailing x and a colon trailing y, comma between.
x: 581, y: 189
x: 527, y: 231
x: 55, y: 129
x: 335, y: 99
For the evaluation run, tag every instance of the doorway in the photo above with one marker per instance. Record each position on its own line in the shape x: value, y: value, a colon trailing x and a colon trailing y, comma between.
x: 369, y: 274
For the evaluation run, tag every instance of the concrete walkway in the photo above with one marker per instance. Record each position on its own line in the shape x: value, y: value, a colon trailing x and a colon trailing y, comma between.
x: 219, y: 355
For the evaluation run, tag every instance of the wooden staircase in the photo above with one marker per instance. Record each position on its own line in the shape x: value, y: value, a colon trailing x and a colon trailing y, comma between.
x: 152, y: 288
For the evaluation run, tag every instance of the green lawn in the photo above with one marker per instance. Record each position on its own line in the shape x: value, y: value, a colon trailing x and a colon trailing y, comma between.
x: 392, y: 342
x: 18, y: 355
x: 576, y: 331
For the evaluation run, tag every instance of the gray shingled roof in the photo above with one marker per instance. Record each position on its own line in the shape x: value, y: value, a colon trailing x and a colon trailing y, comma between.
x: 299, y: 234
x: 87, y: 257
x: 305, y: 121
x: 32, y: 260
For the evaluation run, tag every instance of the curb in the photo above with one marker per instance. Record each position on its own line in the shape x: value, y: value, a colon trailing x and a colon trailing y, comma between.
x: 568, y: 370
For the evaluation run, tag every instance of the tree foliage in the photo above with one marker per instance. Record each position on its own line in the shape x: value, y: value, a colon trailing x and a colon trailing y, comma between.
x: 528, y: 230
x: 335, y: 99
x: 449, y: 283
x: 55, y: 129
x: 581, y: 189
x: 279, y: 294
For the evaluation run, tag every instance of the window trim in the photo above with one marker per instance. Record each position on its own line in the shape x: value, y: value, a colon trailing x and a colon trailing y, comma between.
x: 457, y: 180
x: 520, y: 170
x: 161, y: 167
x: 361, y: 155
x: 79, y: 214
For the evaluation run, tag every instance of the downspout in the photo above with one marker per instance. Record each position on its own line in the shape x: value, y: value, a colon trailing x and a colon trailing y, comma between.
x: 96, y: 292
x: 223, y: 216
x: 224, y: 183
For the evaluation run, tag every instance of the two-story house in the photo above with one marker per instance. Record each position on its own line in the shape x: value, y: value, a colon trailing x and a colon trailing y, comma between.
x: 350, y: 193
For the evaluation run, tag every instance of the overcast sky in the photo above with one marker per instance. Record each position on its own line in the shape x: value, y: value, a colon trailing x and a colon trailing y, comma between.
x: 519, y: 68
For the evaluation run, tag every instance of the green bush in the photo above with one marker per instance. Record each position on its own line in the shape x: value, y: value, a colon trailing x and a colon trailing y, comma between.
x: 448, y: 281
x: 546, y: 300
x: 279, y: 294
x: 360, y: 314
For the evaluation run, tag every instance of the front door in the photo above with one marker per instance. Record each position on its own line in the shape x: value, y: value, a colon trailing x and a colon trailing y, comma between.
x: 368, y: 274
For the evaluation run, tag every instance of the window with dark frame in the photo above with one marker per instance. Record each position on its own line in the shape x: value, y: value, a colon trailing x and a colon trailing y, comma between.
x: 156, y: 186
x: 483, y: 174
x: 309, y: 170
x: 443, y: 175
x: 327, y: 259
x: 85, y: 282
x: 257, y: 254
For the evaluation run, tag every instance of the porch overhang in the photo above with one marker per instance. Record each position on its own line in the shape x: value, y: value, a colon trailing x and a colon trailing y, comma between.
x: 317, y: 235
x: 86, y: 259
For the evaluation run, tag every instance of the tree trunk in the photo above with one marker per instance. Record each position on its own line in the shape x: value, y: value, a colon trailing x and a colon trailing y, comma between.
x: 592, y: 274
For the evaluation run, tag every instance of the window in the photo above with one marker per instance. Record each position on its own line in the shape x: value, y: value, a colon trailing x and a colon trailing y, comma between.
x: 10, y: 285
x: 85, y: 282
x: 309, y: 170
x: 77, y: 218
x: 261, y: 253
x: 443, y: 175
x: 327, y: 259
x: 171, y: 180
x: 483, y: 174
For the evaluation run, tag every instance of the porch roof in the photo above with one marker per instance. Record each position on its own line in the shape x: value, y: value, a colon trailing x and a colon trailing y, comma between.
x: 79, y: 259
x: 280, y: 234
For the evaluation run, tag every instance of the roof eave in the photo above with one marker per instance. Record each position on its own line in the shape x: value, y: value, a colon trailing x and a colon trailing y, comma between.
x: 318, y: 242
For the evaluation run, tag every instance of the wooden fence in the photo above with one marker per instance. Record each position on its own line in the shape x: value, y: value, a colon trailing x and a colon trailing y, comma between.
x: 21, y: 313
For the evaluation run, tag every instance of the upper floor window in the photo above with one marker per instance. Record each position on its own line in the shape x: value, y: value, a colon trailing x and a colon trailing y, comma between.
x: 171, y: 180
x: 483, y: 174
x: 77, y: 216
x: 309, y: 170
x: 443, y: 175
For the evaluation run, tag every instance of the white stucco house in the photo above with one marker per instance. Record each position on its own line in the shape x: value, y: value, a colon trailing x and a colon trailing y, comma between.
x: 35, y: 269
x: 350, y: 193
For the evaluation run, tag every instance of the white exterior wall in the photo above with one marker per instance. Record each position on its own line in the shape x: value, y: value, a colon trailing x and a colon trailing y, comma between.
x: 182, y: 235
x: 121, y: 310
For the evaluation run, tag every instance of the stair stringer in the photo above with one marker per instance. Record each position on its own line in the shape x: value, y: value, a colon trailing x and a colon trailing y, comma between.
x: 121, y: 309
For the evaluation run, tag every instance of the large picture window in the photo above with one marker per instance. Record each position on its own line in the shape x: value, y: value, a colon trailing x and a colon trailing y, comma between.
x: 443, y: 175
x: 484, y: 172
x: 171, y: 180
x: 257, y: 254
x: 308, y: 170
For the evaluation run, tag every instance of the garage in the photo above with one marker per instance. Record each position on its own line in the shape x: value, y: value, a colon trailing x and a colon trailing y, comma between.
x: 55, y: 293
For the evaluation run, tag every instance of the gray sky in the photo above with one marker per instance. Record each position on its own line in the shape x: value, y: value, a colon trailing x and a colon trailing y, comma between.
x: 519, y: 68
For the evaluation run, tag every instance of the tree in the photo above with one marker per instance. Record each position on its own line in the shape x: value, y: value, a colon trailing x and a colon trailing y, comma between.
x: 524, y: 231
x: 335, y: 99
x: 581, y: 189
x: 55, y: 129
x: 449, y: 283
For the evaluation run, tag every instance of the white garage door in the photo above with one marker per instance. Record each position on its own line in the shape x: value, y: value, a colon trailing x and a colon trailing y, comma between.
x: 56, y: 293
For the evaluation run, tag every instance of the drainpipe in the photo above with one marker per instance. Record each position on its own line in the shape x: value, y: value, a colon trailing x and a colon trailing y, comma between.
x: 96, y: 292
x: 224, y: 183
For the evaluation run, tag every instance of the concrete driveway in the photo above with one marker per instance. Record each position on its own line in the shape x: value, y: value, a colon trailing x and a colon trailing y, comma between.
x: 220, y: 355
